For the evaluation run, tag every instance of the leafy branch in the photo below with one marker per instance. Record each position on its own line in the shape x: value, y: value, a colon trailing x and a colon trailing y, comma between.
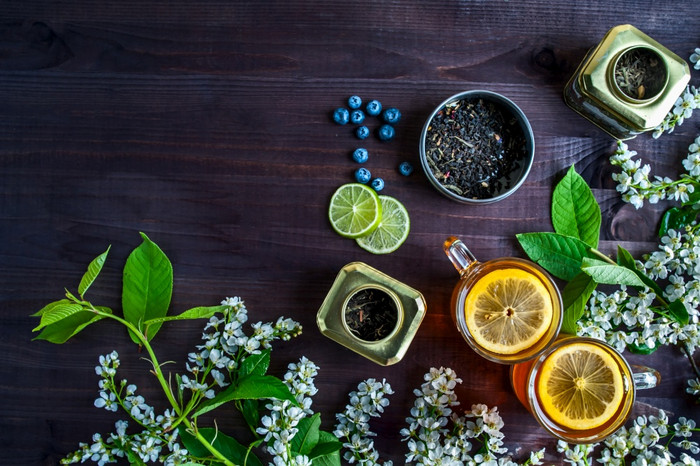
x: 230, y: 369
x: 570, y: 253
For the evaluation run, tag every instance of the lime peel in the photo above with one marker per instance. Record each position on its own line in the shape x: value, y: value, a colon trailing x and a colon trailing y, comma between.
x: 392, y: 231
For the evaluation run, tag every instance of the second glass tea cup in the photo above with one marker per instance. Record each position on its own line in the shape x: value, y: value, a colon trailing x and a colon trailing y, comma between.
x: 585, y: 401
x: 509, y: 310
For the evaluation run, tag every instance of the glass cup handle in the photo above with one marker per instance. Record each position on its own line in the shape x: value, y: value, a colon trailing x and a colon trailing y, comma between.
x: 458, y: 254
x: 645, y: 377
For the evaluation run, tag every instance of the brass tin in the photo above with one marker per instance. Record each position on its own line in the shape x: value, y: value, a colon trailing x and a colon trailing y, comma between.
x: 593, y: 93
x: 410, y: 306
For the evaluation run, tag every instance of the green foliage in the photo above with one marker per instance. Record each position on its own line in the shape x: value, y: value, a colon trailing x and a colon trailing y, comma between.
x: 561, y: 255
x: 574, y: 298
x: 147, y: 288
x: 572, y: 195
x: 93, y: 271
x: 571, y: 253
x: 676, y: 218
x: 251, y: 387
x: 225, y: 444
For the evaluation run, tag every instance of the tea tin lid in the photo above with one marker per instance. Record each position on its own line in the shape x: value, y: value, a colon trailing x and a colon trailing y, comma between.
x: 596, y: 79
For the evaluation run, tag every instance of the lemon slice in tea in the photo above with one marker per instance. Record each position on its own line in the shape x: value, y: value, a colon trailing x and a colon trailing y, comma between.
x: 508, y: 310
x: 355, y: 210
x: 392, y: 230
x: 580, y: 386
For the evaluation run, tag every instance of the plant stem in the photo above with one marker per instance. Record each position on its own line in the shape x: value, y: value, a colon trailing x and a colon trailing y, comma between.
x: 193, y: 428
x: 602, y: 256
x: 182, y: 416
x: 687, y: 352
x: 154, y: 360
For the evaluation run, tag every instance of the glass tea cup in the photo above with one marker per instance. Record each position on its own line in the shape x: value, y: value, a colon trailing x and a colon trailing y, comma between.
x: 565, y: 411
x: 509, y: 310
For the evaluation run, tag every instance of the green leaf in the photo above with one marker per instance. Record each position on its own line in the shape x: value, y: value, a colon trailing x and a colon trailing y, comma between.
x: 560, y: 255
x: 625, y: 259
x: 323, y: 449
x: 676, y: 309
x: 58, y: 313
x: 226, y: 445
x: 255, y: 364
x: 93, y: 270
x: 307, y: 436
x: 575, y: 211
x: 148, y: 286
x: 641, y: 349
x: 678, y: 312
x: 63, y: 330
x: 610, y: 274
x: 50, y: 306
x: 327, y: 440
x: 250, y: 409
x: 676, y: 218
x: 201, y: 312
x: 252, y: 387
x: 574, y: 296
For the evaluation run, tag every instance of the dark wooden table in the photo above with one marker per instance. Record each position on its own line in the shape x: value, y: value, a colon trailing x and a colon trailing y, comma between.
x: 206, y: 126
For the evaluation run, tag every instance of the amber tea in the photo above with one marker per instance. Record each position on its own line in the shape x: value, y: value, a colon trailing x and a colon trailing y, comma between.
x: 580, y: 390
x: 508, y: 310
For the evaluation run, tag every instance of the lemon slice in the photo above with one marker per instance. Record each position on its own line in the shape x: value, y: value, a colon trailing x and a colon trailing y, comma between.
x: 392, y: 230
x: 354, y: 210
x: 580, y: 386
x: 508, y: 310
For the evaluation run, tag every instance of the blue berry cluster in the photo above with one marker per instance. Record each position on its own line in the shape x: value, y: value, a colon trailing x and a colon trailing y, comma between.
x: 355, y: 115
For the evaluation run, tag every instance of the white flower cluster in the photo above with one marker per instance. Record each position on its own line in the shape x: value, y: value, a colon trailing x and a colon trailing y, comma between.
x: 635, y: 186
x: 429, y: 440
x: 156, y: 441
x: 280, y: 426
x: 226, y: 344
x: 646, y: 442
x: 682, y: 109
x: 353, y: 424
x: 624, y: 319
x: 695, y: 58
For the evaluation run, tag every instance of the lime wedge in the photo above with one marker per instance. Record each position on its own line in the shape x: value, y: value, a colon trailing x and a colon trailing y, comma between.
x: 392, y: 230
x: 355, y: 210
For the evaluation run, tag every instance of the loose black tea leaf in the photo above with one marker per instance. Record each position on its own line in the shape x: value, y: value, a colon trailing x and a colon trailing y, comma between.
x: 640, y: 73
x: 473, y: 146
x: 371, y: 314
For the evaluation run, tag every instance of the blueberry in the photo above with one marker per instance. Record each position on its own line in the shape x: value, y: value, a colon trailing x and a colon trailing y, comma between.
x: 378, y: 184
x: 405, y: 168
x: 357, y: 116
x: 374, y: 107
x: 362, y: 175
x: 341, y: 115
x: 354, y: 102
x: 386, y: 132
x: 360, y: 155
x: 362, y: 132
x: 391, y: 115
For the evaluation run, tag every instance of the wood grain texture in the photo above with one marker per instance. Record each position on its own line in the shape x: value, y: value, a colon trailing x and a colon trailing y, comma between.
x: 207, y: 126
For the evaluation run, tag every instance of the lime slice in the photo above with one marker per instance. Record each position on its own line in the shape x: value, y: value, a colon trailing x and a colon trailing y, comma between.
x: 392, y: 230
x: 355, y: 210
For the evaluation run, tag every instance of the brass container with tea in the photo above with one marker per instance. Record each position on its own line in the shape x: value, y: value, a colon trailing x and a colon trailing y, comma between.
x: 627, y: 84
x: 371, y: 313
